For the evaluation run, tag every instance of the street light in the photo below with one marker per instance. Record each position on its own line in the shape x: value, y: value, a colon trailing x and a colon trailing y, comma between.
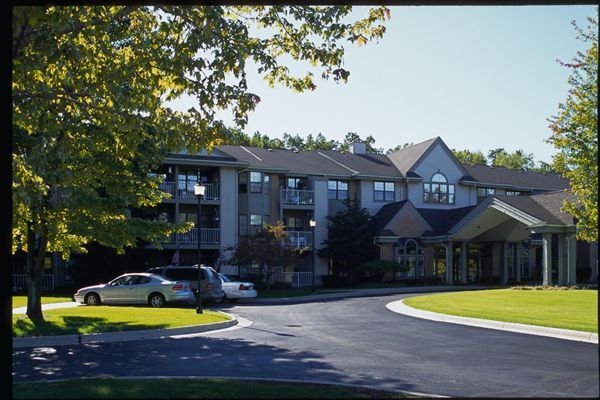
x: 199, y: 192
x: 313, y: 225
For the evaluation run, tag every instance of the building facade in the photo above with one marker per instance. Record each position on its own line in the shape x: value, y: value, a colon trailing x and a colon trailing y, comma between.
x: 456, y: 223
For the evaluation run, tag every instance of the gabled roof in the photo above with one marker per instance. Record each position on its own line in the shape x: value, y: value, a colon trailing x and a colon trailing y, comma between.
x: 409, y: 158
x: 385, y: 215
x: 485, y: 176
x: 442, y: 220
x: 545, y: 207
x: 321, y: 162
x: 364, y: 165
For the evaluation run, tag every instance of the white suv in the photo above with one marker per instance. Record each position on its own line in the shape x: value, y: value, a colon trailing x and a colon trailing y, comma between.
x: 212, y: 290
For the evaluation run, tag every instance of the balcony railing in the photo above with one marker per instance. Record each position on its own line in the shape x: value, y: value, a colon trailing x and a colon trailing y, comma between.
x: 298, y: 238
x: 207, y: 236
x: 211, y: 191
x: 19, y: 282
x: 297, y: 197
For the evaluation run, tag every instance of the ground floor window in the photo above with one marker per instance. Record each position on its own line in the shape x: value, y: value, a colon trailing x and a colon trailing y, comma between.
x: 411, y: 254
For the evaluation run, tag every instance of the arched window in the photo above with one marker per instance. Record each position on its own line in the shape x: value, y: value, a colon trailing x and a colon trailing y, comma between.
x: 437, y: 190
x: 411, y: 254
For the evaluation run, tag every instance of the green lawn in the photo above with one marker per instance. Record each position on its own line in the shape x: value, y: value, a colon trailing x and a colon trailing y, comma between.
x: 86, y: 320
x: 566, y: 309
x: 162, y: 388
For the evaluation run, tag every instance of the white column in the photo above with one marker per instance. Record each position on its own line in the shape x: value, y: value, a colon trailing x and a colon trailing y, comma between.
x: 463, y: 262
x: 571, y: 260
x: 519, y: 261
x: 449, y: 266
x: 546, y: 259
x: 561, y: 265
x: 504, y: 273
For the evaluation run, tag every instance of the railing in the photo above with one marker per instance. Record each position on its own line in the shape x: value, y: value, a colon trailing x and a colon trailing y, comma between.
x: 19, y: 282
x: 298, y: 238
x: 297, y: 279
x: 207, y: 236
x: 295, y: 196
x: 211, y: 192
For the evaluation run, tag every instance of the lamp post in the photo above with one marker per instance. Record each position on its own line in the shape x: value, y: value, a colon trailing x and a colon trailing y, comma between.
x: 313, y: 225
x: 199, y: 192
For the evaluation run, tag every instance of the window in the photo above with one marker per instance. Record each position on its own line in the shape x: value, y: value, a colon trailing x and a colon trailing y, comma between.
x: 294, y: 223
x: 383, y: 191
x: 438, y: 190
x: 243, y: 224
x: 243, y: 183
x: 256, y: 222
x: 411, y: 255
x: 266, y: 183
x: 482, y: 193
x: 337, y: 190
x: 186, y: 180
x: 255, y: 182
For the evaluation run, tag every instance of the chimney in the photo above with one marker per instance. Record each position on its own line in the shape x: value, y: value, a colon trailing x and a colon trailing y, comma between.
x: 358, y: 148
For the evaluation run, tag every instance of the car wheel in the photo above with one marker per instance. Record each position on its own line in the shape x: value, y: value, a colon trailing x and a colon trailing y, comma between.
x: 92, y: 299
x: 156, y: 300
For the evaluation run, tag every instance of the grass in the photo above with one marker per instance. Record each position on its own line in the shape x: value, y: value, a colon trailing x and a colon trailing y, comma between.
x: 568, y: 309
x: 565, y: 309
x: 186, y: 388
x: 87, y: 320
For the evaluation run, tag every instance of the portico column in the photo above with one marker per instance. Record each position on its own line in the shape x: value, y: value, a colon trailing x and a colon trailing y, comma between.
x: 562, y: 273
x: 546, y: 259
x: 519, y: 261
x: 463, y: 262
x: 449, y: 266
x: 571, y: 257
x: 504, y: 274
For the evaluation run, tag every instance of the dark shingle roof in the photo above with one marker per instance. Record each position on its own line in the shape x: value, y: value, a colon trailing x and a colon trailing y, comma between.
x: 546, y: 207
x: 518, y: 180
x: 364, y: 165
x: 384, y: 215
x: 442, y: 220
x: 405, y: 159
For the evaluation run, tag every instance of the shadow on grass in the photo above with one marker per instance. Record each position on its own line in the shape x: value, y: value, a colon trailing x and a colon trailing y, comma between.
x: 70, y: 325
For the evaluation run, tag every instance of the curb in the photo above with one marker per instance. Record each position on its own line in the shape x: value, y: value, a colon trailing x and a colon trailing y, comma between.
x: 37, y: 341
x: 401, y: 308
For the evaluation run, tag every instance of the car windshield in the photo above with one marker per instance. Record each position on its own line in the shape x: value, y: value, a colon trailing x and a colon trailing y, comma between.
x: 225, y: 278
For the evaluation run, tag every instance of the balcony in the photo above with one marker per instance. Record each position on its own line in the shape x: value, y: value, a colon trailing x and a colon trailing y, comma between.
x: 297, y: 197
x: 207, y: 235
x: 211, y: 192
x: 298, y: 239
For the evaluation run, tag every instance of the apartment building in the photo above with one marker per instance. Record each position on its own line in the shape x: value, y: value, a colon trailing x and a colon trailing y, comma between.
x: 458, y: 223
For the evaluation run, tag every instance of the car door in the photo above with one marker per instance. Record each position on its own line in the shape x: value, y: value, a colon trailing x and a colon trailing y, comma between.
x: 121, y: 291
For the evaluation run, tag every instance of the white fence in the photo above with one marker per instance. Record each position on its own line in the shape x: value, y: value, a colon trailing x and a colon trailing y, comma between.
x: 297, y: 279
x: 19, y: 282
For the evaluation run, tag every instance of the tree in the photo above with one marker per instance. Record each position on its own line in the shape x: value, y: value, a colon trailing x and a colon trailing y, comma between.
x: 470, y: 157
x: 264, y: 248
x: 89, y: 89
x: 575, y: 134
x: 349, y: 242
x: 518, y: 160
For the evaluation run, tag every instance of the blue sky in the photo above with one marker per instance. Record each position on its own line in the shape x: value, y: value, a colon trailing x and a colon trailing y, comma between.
x: 480, y: 77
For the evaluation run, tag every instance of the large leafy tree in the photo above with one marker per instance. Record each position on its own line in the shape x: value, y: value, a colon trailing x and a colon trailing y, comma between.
x: 264, y: 248
x: 575, y: 134
x: 350, y: 239
x: 89, y: 93
x: 517, y: 160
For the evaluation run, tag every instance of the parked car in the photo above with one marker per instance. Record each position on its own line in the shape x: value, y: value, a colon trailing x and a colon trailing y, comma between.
x: 211, y: 283
x: 136, y: 288
x: 235, y: 290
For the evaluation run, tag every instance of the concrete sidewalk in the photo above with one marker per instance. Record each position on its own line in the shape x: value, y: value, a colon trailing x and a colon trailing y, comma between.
x: 395, y: 306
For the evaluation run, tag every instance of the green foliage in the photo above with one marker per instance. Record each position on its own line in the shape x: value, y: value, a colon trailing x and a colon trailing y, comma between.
x: 264, y: 248
x: 575, y: 134
x: 518, y: 160
x: 349, y: 240
x: 89, y: 120
x: 470, y: 157
x: 378, y: 268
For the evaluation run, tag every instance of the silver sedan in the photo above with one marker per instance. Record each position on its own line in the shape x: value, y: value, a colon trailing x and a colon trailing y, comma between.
x: 136, y: 288
x: 235, y: 290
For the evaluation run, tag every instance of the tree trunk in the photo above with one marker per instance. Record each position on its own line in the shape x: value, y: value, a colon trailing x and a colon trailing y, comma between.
x: 36, y: 252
